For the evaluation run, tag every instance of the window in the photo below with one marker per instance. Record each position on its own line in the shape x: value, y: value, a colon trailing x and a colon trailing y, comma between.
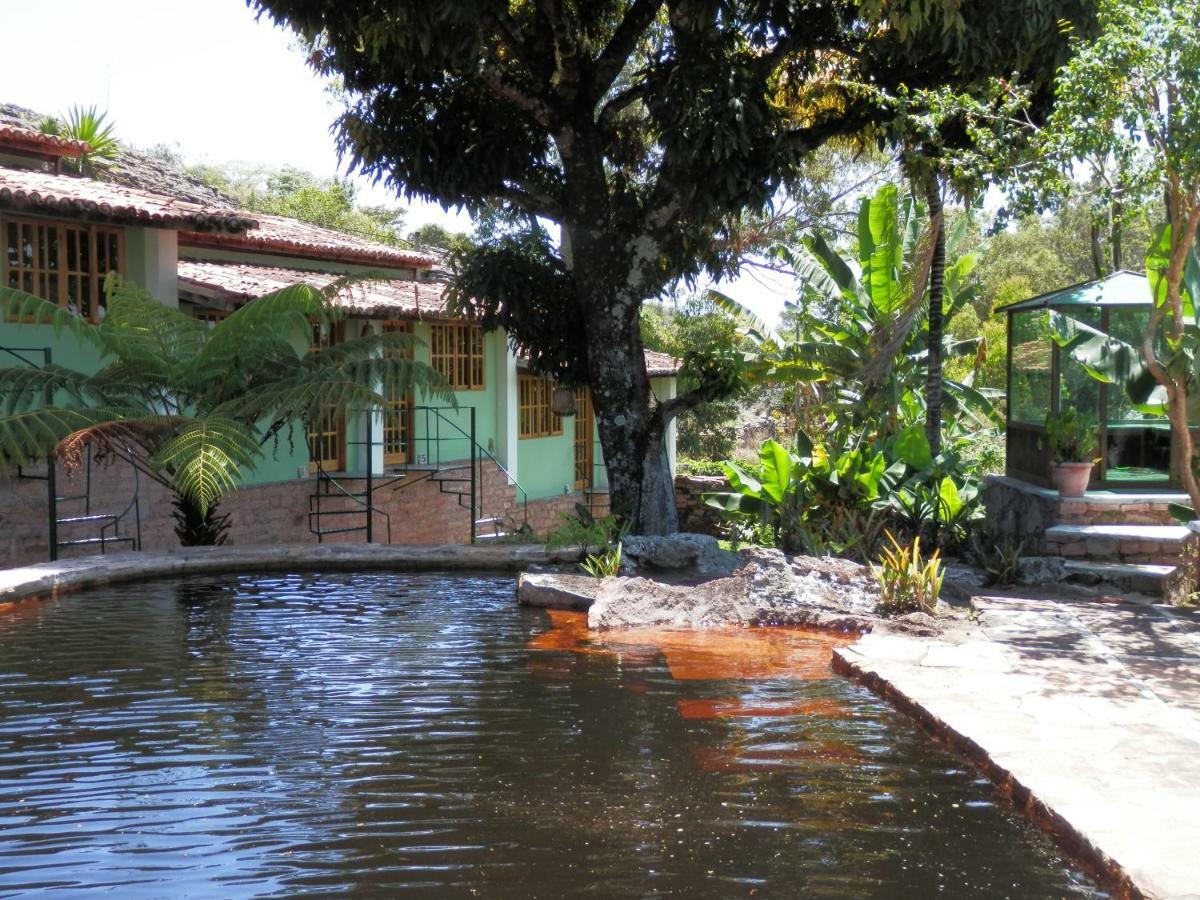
x: 456, y: 351
x: 64, y: 264
x: 327, y: 434
x: 398, y: 414
x: 537, y: 419
x: 209, y: 316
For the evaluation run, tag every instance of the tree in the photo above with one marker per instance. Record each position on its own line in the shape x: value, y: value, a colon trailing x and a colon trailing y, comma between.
x: 439, y: 238
x: 1132, y: 95
x: 190, y: 407
x: 858, y: 330
x: 328, y: 202
x: 643, y: 130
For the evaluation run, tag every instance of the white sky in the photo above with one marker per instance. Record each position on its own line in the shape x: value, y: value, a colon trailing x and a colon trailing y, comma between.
x: 205, y: 78
x: 201, y: 76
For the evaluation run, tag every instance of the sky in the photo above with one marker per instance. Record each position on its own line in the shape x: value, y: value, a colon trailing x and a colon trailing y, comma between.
x: 201, y: 76
x: 206, y: 79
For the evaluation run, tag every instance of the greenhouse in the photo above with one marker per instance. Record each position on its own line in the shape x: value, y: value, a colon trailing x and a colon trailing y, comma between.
x: 1133, y: 446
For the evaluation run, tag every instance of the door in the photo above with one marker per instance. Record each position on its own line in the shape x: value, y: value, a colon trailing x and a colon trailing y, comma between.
x: 398, y: 414
x: 584, y: 446
x: 327, y: 434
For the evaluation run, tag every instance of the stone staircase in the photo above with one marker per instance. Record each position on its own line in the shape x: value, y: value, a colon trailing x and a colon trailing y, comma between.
x: 1125, y: 539
x: 1132, y: 557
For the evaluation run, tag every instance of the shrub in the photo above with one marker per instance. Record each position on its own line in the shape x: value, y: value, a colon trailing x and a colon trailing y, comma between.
x: 603, y: 565
x: 907, y: 582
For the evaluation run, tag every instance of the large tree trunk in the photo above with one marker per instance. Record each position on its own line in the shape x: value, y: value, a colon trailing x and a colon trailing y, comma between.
x: 937, y: 272
x: 631, y: 426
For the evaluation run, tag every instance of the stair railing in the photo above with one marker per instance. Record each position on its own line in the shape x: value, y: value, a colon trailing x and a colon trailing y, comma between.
x: 324, y: 477
x: 477, y: 453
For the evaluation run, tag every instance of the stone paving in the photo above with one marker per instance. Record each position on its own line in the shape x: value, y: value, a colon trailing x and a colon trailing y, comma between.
x: 1085, y: 713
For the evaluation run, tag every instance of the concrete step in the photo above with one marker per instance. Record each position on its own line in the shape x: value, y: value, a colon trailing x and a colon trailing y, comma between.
x: 1137, y: 544
x: 1144, y: 578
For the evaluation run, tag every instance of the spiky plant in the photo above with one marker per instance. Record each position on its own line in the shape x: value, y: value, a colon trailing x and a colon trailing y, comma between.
x: 195, y: 408
x: 91, y: 126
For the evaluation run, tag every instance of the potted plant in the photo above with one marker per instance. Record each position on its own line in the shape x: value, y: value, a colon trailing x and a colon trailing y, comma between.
x: 1072, y: 441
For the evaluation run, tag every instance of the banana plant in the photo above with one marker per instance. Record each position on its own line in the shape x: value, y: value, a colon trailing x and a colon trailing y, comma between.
x: 191, y: 407
x: 856, y: 308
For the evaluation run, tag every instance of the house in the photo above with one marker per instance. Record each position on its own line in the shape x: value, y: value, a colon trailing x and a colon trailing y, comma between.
x: 501, y: 458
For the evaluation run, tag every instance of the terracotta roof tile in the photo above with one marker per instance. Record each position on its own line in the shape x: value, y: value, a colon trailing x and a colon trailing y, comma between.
x: 65, y: 195
x: 660, y: 365
x: 239, y: 282
x: 20, y: 138
x: 290, y: 237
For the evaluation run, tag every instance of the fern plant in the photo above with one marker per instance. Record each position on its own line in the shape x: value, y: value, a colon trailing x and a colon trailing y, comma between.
x: 195, y: 408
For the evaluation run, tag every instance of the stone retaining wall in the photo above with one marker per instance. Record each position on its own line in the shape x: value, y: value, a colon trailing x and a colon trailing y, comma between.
x: 694, y: 516
x: 1021, y: 512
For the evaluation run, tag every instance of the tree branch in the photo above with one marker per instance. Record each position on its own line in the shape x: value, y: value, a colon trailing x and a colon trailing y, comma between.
x: 613, y: 57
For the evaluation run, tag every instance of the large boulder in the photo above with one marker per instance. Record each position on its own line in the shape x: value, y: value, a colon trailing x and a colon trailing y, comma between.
x: 554, y: 591
x: 767, y: 589
x: 700, y: 553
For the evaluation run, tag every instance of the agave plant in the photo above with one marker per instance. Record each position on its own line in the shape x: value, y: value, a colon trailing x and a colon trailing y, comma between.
x: 191, y: 407
x: 91, y: 126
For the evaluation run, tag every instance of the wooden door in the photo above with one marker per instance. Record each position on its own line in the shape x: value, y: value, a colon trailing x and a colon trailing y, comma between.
x: 327, y: 434
x: 398, y: 414
x: 584, y: 446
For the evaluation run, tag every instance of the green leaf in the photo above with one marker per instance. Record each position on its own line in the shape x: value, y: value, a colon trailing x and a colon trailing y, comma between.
x: 912, y: 446
x: 949, y: 502
x: 777, y: 470
x: 1181, y: 513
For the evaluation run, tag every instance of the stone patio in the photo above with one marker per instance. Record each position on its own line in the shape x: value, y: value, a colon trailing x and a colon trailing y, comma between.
x: 1086, y: 714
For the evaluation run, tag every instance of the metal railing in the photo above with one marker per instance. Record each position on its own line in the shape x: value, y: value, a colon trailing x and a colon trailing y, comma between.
x: 110, y: 520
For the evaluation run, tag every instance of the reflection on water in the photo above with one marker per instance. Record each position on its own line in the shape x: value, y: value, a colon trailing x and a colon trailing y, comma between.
x: 367, y: 734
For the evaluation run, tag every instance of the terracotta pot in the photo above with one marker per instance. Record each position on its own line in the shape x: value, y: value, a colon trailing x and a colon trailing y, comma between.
x: 1071, y: 478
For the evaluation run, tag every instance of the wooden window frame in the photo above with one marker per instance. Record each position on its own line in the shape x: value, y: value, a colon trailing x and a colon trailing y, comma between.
x: 51, y: 282
x: 456, y: 351
x: 535, y: 415
x: 401, y: 409
x: 337, y: 434
x: 584, y: 445
x: 210, y: 316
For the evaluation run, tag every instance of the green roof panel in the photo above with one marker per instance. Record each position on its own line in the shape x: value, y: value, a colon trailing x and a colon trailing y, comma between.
x: 1122, y: 288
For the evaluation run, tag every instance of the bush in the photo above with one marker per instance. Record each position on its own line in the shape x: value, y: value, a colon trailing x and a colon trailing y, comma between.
x: 907, y: 582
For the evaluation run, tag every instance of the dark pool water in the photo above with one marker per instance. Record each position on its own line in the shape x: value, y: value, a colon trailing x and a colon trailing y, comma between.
x: 378, y: 734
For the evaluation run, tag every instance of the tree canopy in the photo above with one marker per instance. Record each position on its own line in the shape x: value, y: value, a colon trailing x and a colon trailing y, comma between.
x: 643, y: 129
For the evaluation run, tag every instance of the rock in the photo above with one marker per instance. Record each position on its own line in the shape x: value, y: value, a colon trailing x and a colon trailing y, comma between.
x: 1041, y: 569
x: 552, y: 591
x: 765, y: 590
x: 700, y: 552
x: 961, y: 582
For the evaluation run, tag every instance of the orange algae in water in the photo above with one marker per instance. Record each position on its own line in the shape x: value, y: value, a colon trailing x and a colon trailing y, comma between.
x: 703, y: 654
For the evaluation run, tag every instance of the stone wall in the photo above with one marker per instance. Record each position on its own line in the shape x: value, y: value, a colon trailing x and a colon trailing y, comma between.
x: 694, y: 516
x: 1019, y: 511
x: 1017, y: 516
x: 276, y: 513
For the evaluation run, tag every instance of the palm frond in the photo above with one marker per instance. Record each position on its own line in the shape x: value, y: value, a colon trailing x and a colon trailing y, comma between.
x: 148, y: 336
x: 18, y: 306
x: 748, y: 323
x: 33, y: 434
x: 23, y: 387
x: 209, y: 458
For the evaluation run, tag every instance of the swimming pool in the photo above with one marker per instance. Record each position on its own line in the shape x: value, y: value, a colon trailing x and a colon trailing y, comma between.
x: 376, y: 733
